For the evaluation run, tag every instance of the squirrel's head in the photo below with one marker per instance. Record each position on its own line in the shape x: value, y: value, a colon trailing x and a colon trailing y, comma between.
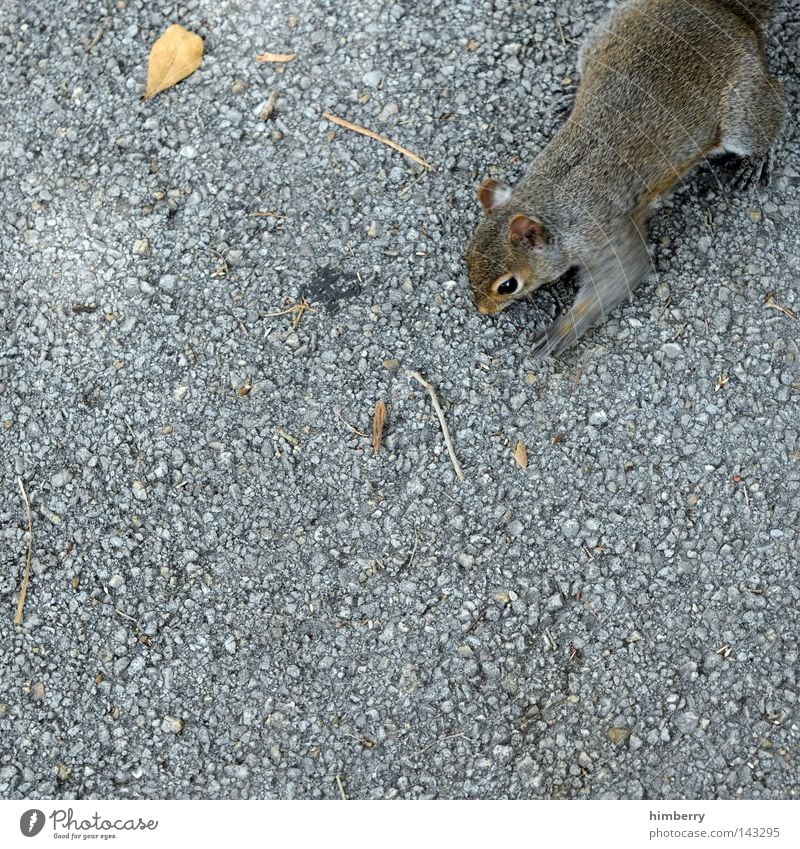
x: 509, y: 254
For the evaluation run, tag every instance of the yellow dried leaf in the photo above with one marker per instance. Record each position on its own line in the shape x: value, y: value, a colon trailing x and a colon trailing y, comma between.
x: 617, y: 735
x: 378, y: 424
x: 173, y: 57
x: 521, y: 455
x: 275, y: 57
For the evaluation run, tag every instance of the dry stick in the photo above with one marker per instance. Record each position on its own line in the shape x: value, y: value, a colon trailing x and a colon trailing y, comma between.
x: 438, y: 407
x: 275, y: 57
x: 105, y: 23
x: 298, y: 309
x: 27, y: 576
x: 347, y: 424
x: 266, y: 110
x: 382, y: 139
x: 378, y: 424
x: 341, y: 788
x: 561, y: 32
x: 441, y: 740
x: 770, y: 302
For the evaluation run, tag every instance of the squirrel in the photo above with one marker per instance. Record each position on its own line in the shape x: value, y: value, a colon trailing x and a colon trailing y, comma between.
x: 663, y: 85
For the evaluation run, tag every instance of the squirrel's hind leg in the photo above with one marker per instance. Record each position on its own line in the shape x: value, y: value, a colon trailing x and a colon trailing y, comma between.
x: 751, y: 121
x: 605, y: 281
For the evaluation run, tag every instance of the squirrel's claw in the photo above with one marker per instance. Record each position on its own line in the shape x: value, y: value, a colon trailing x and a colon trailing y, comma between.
x: 557, y: 337
x: 753, y: 171
x: 562, y: 107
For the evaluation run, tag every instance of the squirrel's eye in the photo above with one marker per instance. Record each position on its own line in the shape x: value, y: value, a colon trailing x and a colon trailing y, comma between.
x: 508, y: 287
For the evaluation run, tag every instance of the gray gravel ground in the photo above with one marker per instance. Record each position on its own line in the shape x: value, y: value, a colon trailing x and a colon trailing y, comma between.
x: 231, y: 596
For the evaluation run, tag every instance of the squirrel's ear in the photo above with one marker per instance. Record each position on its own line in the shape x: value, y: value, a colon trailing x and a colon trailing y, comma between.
x: 492, y: 194
x: 521, y: 227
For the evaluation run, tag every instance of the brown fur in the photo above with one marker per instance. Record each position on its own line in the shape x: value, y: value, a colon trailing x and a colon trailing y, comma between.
x: 663, y: 85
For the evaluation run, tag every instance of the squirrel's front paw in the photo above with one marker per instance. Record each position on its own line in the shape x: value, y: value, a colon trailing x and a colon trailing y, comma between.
x: 556, y: 338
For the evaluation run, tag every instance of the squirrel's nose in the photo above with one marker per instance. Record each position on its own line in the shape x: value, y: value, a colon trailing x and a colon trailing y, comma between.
x: 487, y: 308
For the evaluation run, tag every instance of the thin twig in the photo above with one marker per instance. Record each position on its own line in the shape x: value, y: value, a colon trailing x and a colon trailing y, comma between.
x: 292, y: 440
x: 291, y: 309
x: 410, y: 560
x: 680, y: 330
x: 275, y: 57
x: 102, y: 29
x: 348, y: 425
x: 549, y: 639
x: 667, y: 305
x: 298, y: 309
x: 23, y: 591
x: 460, y: 734
x: 437, y: 406
x: 341, y: 788
x: 116, y: 610
x: 382, y: 139
x: 406, y: 189
x: 769, y: 301
x: 222, y: 269
x: 561, y: 32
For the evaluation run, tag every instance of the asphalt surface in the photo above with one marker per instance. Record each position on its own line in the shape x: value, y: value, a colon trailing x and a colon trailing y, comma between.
x: 231, y: 595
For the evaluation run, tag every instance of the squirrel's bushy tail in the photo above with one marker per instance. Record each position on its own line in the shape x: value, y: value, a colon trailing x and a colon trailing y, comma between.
x: 753, y: 11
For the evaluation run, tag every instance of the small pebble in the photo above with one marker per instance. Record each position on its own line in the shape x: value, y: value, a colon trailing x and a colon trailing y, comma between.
x: 173, y: 724
x: 598, y: 418
x: 61, y: 478
x: 372, y: 79
x: 687, y: 721
x: 388, y: 111
x: 571, y: 528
